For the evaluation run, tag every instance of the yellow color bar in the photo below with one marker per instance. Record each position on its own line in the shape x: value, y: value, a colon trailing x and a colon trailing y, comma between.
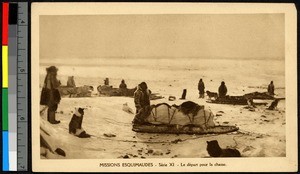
x: 4, y: 66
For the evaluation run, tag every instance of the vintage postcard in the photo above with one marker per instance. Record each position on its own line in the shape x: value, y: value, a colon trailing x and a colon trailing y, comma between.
x: 179, y: 87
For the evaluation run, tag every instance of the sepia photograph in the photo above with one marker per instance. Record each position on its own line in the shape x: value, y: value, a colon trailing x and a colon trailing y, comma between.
x: 175, y: 88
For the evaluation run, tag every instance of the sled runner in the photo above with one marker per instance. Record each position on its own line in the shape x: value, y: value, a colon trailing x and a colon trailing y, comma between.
x: 187, y: 129
x: 243, y: 100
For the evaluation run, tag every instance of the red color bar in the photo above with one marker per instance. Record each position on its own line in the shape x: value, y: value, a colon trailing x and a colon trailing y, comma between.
x: 5, y: 7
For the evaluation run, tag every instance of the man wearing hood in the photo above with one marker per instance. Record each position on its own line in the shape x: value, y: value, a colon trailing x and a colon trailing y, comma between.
x: 123, y: 85
x: 71, y: 81
x: 222, y: 89
x: 123, y: 88
x: 271, y: 88
x: 141, y: 101
x: 50, y: 95
x: 201, y: 88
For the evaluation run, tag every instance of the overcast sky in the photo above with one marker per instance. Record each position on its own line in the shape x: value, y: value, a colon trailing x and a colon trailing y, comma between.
x: 169, y: 36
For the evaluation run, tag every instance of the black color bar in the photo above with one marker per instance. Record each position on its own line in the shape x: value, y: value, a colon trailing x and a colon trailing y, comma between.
x: 13, y: 14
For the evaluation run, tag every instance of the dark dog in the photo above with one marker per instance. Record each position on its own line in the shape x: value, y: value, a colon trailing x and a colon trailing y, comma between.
x: 214, y: 150
x: 273, y: 104
x: 212, y: 94
x: 75, y: 125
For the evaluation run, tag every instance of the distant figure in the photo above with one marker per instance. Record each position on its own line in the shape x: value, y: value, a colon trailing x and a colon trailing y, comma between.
x: 123, y: 85
x: 106, y: 81
x: 50, y: 95
x: 271, y: 88
x: 75, y: 125
x: 201, y: 88
x: 183, y: 95
x: 222, y: 89
x: 71, y: 82
x: 214, y: 150
x: 123, y: 88
x: 142, y: 102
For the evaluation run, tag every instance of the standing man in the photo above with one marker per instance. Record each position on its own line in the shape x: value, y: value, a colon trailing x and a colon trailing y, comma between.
x: 271, y: 88
x: 106, y: 81
x: 222, y: 89
x: 201, y: 88
x: 123, y: 85
x: 123, y: 88
x: 71, y: 82
x: 50, y: 95
x: 141, y: 101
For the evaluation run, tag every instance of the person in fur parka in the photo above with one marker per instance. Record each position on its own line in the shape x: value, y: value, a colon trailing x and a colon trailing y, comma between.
x: 142, y: 96
x: 142, y: 102
x: 50, y: 95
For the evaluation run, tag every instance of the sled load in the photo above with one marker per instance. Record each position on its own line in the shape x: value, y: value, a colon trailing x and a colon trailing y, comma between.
x: 106, y: 90
x: 73, y: 92
x: 259, y: 95
x: 235, y: 100
x: 187, y: 118
x: 242, y: 100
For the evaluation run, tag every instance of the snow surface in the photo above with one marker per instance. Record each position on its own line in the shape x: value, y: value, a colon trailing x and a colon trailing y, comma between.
x: 262, y: 132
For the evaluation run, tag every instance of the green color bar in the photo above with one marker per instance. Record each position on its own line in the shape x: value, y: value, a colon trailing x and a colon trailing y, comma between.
x: 5, y: 109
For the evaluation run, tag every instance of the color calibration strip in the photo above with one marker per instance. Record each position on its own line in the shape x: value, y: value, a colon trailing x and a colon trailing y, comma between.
x: 5, y: 140
x: 9, y: 85
x: 12, y: 83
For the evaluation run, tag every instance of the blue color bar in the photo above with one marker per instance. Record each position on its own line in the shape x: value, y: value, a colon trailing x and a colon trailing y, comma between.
x: 5, y: 151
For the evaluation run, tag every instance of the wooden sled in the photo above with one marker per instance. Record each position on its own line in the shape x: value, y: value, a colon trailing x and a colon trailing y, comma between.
x: 74, y: 92
x: 235, y: 103
x: 242, y: 100
x: 188, y: 129
x: 259, y: 95
x: 234, y: 100
x: 106, y: 90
